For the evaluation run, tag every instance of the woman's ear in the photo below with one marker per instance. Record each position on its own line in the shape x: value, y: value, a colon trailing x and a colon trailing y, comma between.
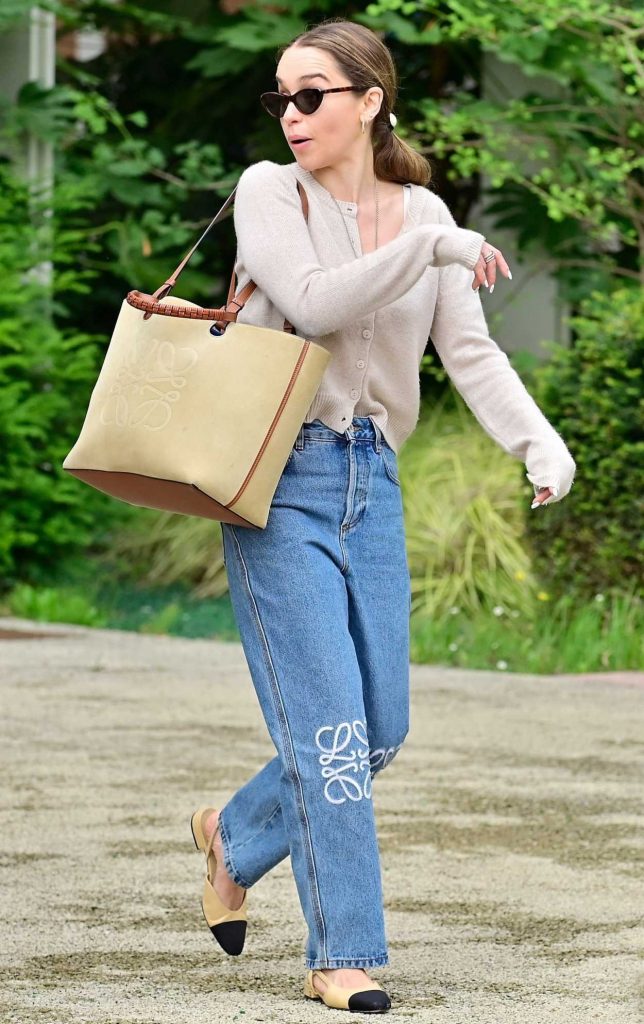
x: 373, y: 101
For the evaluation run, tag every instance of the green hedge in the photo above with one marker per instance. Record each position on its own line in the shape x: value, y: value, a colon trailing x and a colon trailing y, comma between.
x: 46, y: 376
x: 592, y: 393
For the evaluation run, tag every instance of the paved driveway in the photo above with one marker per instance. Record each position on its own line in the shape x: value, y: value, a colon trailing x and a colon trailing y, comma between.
x: 510, y: 825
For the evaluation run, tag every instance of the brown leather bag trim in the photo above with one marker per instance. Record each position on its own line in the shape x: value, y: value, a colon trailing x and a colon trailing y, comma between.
x: 271, y: 429
x: 304, y: 199
x: 177, y: 496
x: 151, y: 303
x: 288, y: 326
x: 141, y: 300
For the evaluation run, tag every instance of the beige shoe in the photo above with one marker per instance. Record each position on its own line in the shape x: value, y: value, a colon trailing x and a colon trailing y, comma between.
x: 371, y: 999
x: 227, y: 926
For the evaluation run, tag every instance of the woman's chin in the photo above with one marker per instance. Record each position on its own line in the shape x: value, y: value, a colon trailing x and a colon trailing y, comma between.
x: 309, y: 163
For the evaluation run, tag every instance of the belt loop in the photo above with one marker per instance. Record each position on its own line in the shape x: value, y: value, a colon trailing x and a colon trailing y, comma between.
x: 377, y: 442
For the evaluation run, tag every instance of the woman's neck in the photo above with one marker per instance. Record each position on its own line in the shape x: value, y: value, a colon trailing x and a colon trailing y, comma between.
x: 348, y: 183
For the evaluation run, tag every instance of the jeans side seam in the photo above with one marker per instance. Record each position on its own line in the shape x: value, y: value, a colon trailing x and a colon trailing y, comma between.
x: 283, y: 720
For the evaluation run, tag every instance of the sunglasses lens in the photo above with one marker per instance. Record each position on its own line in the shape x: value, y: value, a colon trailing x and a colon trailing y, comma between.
x: 273, y: 103
x: 306, y: 101
x: 309, y: 100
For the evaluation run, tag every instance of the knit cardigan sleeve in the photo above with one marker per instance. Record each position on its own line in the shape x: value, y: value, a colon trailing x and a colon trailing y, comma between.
x: 275, y: 248
x: 490, y: 386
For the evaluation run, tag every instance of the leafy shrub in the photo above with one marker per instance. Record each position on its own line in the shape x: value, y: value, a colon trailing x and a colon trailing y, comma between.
x: 592, y: 393
x: 51, y: 604
x: 46, y: 375
x: 464, y: 513
x: 164, y: 620
x: 158, y: 548
x: 107, y: 225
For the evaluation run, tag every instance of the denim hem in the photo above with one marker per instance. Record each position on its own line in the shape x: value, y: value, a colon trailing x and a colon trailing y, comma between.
x: 380, y: 960
x: 228, y: 861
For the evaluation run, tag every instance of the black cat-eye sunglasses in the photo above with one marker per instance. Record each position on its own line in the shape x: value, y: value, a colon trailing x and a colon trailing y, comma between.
x: 306, y: 100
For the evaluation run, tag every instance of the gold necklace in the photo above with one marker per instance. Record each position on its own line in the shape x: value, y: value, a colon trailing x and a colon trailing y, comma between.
x: 375, y: 184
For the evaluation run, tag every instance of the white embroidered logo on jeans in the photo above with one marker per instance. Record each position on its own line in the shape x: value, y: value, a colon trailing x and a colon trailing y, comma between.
x: 381, y: 757
x: 341, y: 768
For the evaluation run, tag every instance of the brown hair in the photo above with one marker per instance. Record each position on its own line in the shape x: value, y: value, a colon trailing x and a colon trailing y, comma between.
x: 366, y: 61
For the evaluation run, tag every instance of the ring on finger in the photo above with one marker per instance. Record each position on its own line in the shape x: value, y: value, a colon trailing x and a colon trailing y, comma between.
x: 489, y: 257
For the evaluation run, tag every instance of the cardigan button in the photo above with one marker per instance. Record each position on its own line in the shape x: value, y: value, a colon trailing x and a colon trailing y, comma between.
x: 354, y: 393
x: 360, y: 363
x: 366, y: 333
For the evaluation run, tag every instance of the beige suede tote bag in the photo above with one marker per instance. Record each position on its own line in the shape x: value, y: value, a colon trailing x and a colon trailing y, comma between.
x: 193, y: 412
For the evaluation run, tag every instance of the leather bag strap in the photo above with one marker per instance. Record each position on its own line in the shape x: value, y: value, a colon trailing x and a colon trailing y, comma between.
x: 235, y: 301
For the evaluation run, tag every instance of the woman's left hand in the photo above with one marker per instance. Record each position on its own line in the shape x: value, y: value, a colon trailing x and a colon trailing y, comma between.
x: 542, y: 496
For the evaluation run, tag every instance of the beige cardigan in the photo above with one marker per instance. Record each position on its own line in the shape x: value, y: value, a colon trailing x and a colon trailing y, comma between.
x: 374, y: 313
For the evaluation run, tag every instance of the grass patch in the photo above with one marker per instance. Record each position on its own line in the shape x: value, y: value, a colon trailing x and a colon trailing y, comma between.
x: 91, y: 595
x: 565, y: 635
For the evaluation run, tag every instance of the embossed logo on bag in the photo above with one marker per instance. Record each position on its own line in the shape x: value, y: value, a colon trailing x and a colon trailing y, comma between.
x: 148, y: 384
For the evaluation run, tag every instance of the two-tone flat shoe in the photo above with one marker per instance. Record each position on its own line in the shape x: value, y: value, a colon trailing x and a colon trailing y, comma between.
x: 371, y: 999
x: 227, y: 926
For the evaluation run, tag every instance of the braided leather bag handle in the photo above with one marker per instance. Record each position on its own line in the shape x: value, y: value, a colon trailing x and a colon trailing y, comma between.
x: 152, y: 303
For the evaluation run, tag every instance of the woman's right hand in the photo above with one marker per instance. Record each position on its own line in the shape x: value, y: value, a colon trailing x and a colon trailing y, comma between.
x: 486, y: 272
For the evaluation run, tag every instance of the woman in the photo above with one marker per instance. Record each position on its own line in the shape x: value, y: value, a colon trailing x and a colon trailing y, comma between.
x: 322, y: 594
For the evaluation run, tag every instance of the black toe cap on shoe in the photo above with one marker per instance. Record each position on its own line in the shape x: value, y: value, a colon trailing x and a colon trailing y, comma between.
x: 370, y: 1001
x: 230, y: 935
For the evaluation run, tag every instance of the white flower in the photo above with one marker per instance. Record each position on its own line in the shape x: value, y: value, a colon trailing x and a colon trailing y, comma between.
x: 501, y: 664
x: 454, y: 610
x: 599, y: 598
x: 393, y: 120
x: 453, y: 646
x: 498, y: 609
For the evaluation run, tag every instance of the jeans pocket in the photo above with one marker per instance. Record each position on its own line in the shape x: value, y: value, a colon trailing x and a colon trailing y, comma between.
x: 391, y: 463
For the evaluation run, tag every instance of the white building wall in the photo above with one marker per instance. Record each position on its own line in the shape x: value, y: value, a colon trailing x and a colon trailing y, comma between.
x: 28, y: 54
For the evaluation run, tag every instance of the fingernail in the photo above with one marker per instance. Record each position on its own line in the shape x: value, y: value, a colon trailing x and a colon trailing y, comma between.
x: 510, y: 274
x: 491, y: 289
x: 535, y: 503
x: 486, y: 284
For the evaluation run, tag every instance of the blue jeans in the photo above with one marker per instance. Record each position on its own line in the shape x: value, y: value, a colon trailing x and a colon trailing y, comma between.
x: 322, y: 597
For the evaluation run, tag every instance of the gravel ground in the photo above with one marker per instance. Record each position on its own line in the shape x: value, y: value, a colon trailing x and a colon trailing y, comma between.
x: 510, y: 827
